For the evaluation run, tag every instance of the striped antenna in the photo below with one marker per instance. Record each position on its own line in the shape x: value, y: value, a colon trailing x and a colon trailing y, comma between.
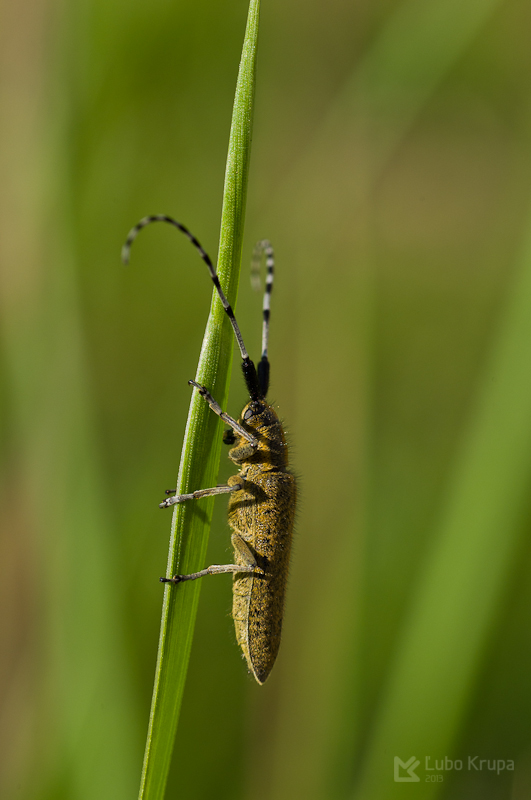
x: 249, y: 370
x: 264, y: 247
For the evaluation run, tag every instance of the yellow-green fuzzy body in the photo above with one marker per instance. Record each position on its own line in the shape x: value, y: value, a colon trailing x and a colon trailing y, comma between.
x: 262, y: 514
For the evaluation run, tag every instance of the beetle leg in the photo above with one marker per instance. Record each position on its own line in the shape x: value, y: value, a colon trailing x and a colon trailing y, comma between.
x: 216, y: 408
x: 197, y: 495
x: 214, y: 569
x: 243, y: 551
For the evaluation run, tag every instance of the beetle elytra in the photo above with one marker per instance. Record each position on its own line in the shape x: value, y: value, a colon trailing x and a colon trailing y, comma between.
x: 262, y: 499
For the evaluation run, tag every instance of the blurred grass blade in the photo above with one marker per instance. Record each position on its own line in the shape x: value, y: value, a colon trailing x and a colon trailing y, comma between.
x: 201, y: 450
x: 417, y: 47
x: 79, y: 730
x: 410, y: 56
x: 469, y: 566
x: 382, y: 99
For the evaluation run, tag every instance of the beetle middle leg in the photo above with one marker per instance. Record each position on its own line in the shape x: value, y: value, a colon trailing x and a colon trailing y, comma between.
x: 197, y: 495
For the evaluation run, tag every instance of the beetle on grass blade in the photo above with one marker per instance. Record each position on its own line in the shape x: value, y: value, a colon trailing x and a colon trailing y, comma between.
x: 262, y: 494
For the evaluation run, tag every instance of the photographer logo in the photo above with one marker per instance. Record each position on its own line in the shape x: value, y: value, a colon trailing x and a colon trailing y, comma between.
x: 408, y: 766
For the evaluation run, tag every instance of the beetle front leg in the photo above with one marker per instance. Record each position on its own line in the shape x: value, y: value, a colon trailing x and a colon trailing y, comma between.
x: 216, y: 408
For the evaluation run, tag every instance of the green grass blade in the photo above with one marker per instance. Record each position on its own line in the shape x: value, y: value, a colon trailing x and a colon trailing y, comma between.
x: 201, y: 450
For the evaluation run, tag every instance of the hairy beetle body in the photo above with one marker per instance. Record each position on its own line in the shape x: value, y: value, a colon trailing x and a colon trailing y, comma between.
x: 262, y: 494
x: 262, y: 514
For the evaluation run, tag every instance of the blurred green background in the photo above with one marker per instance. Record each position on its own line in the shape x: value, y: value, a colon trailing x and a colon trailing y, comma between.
x: 391, y: 171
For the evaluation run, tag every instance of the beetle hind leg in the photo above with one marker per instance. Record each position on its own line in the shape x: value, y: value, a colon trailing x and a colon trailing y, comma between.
x: 241, y: 549
x: 214, y: 569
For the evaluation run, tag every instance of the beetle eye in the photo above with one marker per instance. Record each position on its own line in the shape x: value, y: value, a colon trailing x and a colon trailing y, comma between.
x: 229, y: 436
x: 249, y: 413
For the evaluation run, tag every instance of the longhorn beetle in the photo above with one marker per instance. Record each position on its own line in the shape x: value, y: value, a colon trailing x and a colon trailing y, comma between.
x: 262, y: 494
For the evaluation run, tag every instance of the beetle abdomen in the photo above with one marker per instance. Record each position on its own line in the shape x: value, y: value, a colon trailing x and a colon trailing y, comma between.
x: 262, y: 514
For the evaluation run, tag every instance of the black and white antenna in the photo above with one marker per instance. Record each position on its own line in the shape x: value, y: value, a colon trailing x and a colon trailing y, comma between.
x: 257, y: 384
x: 264, y: 247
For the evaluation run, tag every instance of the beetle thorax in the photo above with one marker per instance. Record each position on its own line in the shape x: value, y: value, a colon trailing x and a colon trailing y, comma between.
x: 262, y: 422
